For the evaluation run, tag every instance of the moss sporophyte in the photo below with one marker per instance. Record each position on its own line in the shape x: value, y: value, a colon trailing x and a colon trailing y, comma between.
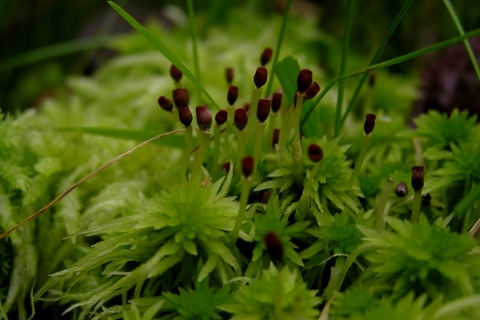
x: 236, y: 212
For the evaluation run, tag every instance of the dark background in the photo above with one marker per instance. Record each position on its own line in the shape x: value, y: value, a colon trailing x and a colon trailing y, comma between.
x: 27, y: 25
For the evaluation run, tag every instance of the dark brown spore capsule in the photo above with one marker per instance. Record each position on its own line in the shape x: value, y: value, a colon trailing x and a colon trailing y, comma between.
x: 185, y: 116
x: 315, y: 152
x: 426, y: 200
x: 266, y: 56
x: 263, y: 110
x: 312, y: 91
x: 204, y: 118
x: 175, y: 73
x: 369, y: 124
x: 181, y: 98
x: 240, y: 119
x: 221, y: 117
x: 226, y: 167
x: 304, y: 80
x: 276, y: 136
x: 274, y: 246
x: 165, y: 103
x: 260, y: 77
x: 232, y: 94
x: 247, y: 166
x: 229, y: 75
x: 371, y: 80
x: 265, y: 196
x: 276, y: 101
x: 401, y: 190
x: 417, y: 178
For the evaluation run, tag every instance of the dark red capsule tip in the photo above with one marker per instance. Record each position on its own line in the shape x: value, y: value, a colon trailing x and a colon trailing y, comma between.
x: 229, y: 75
x: 247, y: 166
x: 226, y: 167
x: 312, y: 91
x: 185, y: 116
x: 274, y: 246
x: 260, y: 77
x: 276, y: 136
x: 401, y: 189
x: 204, y: 118
x: 175, y: 73
x: 181, y: 98
x: 240, y: 119
x: 369, y: 124
x: 315, y: 152
x: 165, y: 103
x: 266, y: 56
x: 276, y: 101
x: 263, y: 110
x: 417, y: 178
x: 221, y: 117
x: 232, y: 94
x: 304, y: 80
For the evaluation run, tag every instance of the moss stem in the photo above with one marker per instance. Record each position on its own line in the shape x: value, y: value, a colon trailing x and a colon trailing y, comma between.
x: 256, y: 94
x: 257, y: 147
x: 380, y: 204
x: 298, y: 171
x: 216, y: 146
x: 188, y: 145
x: 241, y: 210
x: 417, y: 201
x: 361, y: 157
x: 201, y: 153
x: 242, y: 144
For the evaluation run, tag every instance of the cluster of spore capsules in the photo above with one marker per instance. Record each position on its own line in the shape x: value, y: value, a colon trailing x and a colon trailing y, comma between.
x: 260, y: 124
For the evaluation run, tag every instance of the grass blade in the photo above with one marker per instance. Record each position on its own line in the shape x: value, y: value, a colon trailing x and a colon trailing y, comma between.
x: 343, y: 65
x: 388, y: 63
x: 52, y: 51
x: 375, y: 57
x: 191, y: 18
x: 276, y: 54
x: 287, y: 71
x: 461, y: 32
x: 164, y: 50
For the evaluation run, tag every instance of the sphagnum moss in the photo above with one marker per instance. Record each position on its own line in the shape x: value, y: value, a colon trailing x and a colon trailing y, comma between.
x: 187, y: 241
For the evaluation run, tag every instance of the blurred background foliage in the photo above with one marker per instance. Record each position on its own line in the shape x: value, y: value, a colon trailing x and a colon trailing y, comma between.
x: 27, y: 25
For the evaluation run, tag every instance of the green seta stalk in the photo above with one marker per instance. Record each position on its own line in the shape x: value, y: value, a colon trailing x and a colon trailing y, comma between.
x: 368, y: 127
x: 247, y: 166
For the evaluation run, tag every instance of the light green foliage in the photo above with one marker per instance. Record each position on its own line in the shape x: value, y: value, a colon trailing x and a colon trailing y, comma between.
x: 259, y: 299
x: 201, y: 303
x: 441, y: 130
x: 358, y: 304
x: 276, y: 219
x: 140, y: 241
x: 423, y: 258
x: 185, y: 219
